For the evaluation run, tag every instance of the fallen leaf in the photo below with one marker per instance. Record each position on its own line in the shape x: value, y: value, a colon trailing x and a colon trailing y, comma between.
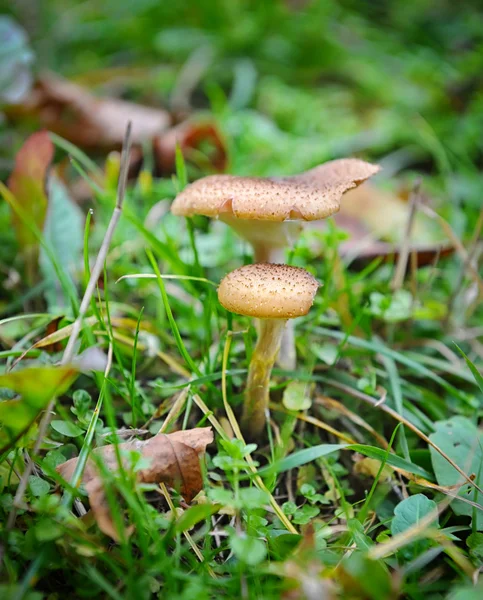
x: 375, y: 220
x: 86, y: 120
x: 99, y: 123
x: 52, y: 328
x: 191, y: 136
x: 173, y: 459
x: 27, y: 183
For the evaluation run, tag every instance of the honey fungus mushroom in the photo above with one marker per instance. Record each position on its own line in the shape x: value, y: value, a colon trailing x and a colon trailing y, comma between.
x: 268, y: 212
x: 273, y: 294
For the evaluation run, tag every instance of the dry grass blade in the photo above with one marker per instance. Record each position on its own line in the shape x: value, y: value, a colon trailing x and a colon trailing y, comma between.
x: 314, y: 421
x: 339, y: 407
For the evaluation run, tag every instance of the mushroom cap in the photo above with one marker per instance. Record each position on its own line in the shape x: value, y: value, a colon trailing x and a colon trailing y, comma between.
x: 308, y: 196
x: 268, y: 291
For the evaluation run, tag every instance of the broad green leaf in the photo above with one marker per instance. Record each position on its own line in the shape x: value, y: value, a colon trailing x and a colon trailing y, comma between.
x: 369, y: 578
x: 248, y: 549
x: 460, y: 439
x: 66, y: 428
x: 63, y: 233
x: 410, y: 511
x: 36, y: 386
x: 38, y: 486
x: 193, y: 515
x: 468, y: 592
x: 295, y: 396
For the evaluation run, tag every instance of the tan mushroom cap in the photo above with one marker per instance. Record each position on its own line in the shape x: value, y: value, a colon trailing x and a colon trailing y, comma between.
x: 312, y: 195
x: 268, y: 291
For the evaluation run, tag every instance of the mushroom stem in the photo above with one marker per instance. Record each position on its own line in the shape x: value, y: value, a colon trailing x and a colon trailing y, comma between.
x: 257, y: 391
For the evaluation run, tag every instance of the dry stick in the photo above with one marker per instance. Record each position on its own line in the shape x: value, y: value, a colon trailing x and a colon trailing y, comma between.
x: 402, y: 262
x: 469, y: 259
x: 69, y: 350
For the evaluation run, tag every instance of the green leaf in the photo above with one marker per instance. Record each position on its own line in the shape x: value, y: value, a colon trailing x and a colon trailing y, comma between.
x: 469, y: 592
x: 47, y: 530
x: 36, y: 386
x: 194, y: 515
x: 368, y: 578
x: 64, y: 233
x: 305, y: 514
x: 295, y: 396
x: 476, y: 374
x: 460, y: 439
x: 66, y: 428
x: 307, y: 455
x: 253, y: 498
x: 38, y: 486
x: 410, y: 511
x: 302, y: 457
x: 248, y: 549
x: 475, y: 544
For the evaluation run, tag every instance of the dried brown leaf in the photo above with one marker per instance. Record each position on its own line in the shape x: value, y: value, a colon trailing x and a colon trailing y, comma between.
x: 99, y: 123
x: 190, y: 136
x: 27, y: 184
x: 86, y: 120
x: 375, y: 220
x: 173, y: 460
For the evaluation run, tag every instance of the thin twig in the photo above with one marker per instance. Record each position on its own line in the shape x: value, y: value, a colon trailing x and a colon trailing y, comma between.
x: 402, y: 262
x: 90, y: 289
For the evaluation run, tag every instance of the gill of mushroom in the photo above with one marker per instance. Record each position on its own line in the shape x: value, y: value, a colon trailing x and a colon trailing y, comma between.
x: 273, y: 294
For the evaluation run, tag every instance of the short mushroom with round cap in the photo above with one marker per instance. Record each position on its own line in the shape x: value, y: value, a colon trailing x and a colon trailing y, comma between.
x: 268, y: 211
x: 273, y: 294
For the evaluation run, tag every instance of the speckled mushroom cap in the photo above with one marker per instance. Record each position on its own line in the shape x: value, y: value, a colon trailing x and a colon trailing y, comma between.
x: 268, y: 291
x: 312, y: 195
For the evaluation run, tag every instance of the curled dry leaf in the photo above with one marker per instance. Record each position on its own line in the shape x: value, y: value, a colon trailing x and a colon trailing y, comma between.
x: 172, y: 459
x: 190, y: 136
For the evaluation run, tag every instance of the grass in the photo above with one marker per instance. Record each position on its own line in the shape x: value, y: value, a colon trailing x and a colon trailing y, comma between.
x: 353, y: 496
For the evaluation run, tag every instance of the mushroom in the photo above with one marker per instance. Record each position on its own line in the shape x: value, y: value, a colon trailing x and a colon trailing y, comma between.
x: 268, y: 211
x: 272, y: 293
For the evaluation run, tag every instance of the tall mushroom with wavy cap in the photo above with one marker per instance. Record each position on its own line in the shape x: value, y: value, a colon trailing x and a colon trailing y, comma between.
x: 268, y: 211
x: 273, y: 294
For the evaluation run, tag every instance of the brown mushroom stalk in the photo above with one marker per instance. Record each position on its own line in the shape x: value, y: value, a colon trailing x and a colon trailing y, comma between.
x: 263, y: 358
x: 273, y: 294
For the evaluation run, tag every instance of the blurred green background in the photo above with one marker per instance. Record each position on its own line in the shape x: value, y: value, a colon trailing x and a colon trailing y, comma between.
x: 293, y: 82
